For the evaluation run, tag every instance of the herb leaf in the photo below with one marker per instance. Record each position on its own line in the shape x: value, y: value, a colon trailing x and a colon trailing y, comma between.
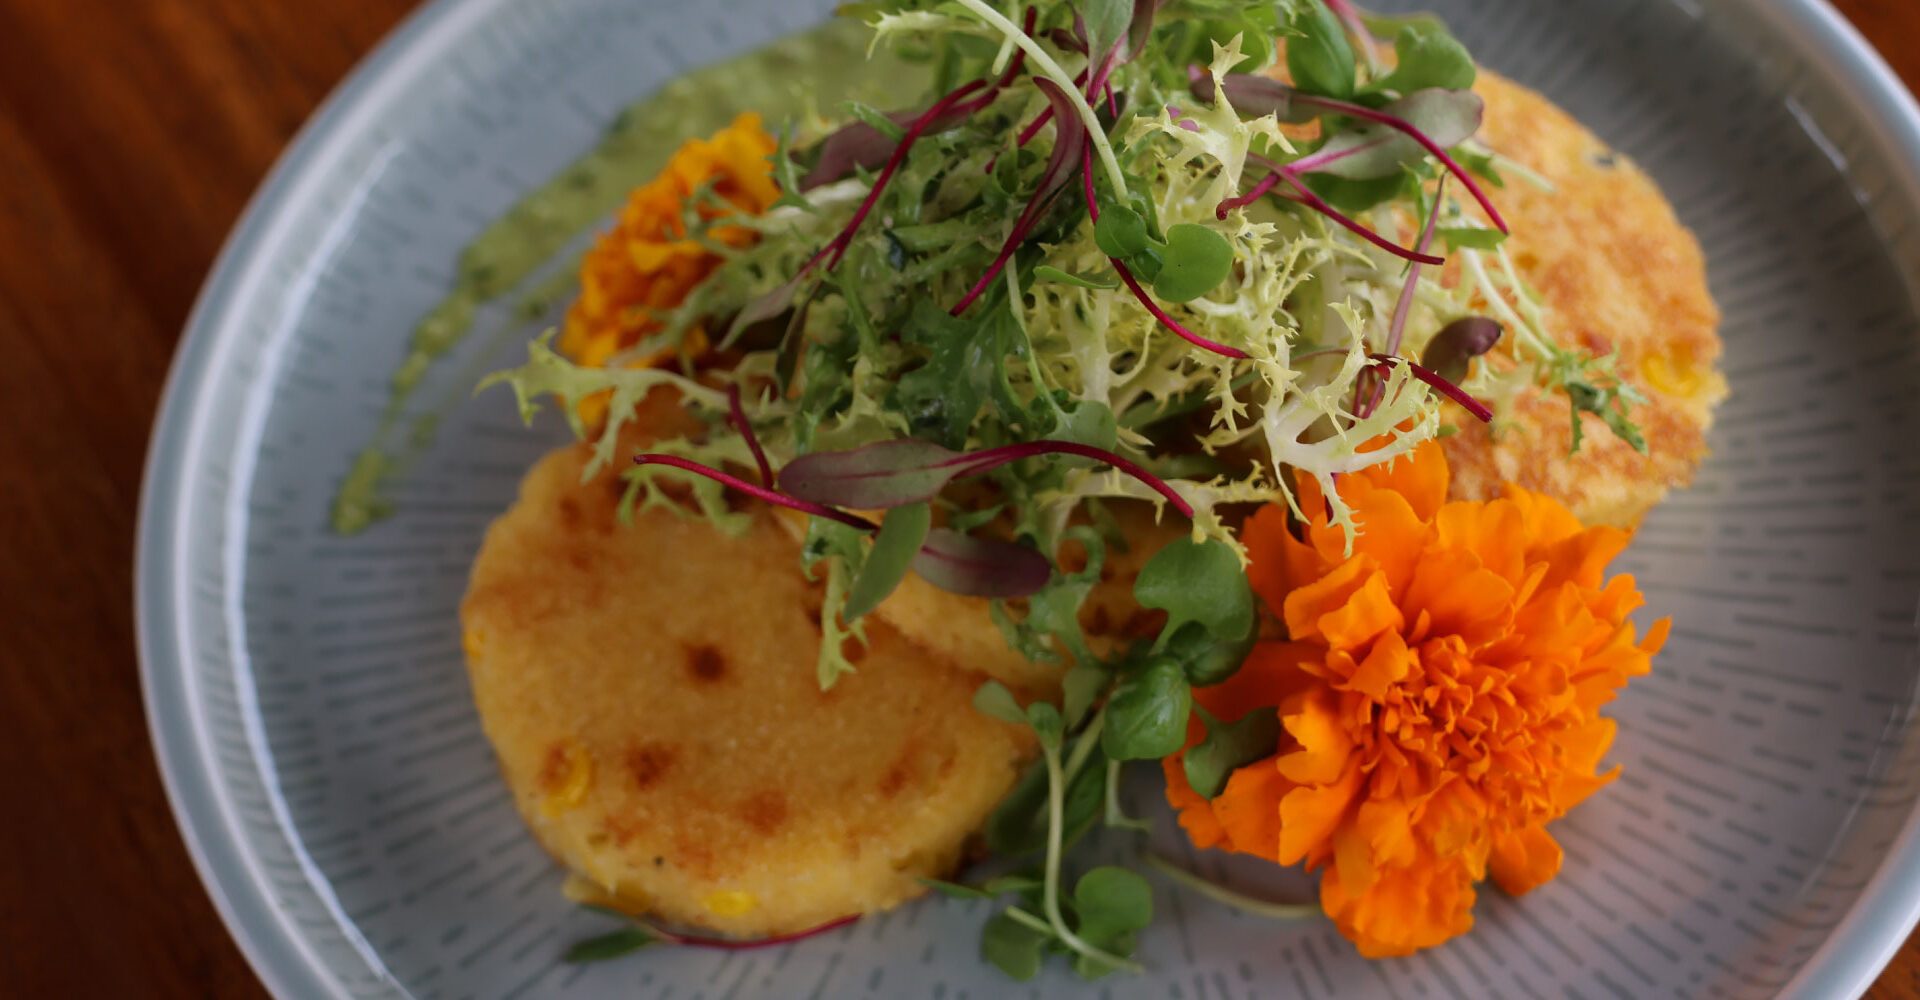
x: 1318, y: 56
x: 1121, y: 231
x: 1013, y: 947
x: 1113, y: 904
x: 624, y: 941
x: 1373, y: 150
x: 993, y: 698
x: 1198, y: 582
x: 1428, y: 56
x: 1196, y: 260
x: 1229, y: 746
x: 1047, y: 272
x: 955, y: 890
x: 1147, y: 715
x: 1107, y: 22
x: 894, y: 550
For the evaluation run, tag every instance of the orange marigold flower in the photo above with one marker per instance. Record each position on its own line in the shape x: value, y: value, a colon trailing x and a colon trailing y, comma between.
x: 646, y: 264
x: 1439, y: 693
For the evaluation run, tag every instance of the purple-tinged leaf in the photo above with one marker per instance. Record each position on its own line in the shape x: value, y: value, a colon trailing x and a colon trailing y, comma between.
x: 1141, y: 27
x: 761, y: 309
x: 1376, y: 149
x: 1399, y: 124
x: 1252, y: 95
x: 760, y: 492
x: 833, y: 251
x: 980, y: 567
x: 875, y: 477
x: 1305, y: 196
x: 855, y: 146
x: 1070, y: 139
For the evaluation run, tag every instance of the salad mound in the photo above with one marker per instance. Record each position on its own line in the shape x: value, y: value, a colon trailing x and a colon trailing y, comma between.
x: 1126, y: 367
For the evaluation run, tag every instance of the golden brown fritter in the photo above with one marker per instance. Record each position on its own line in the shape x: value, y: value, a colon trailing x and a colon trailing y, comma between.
x: 651, y: 695
x: 1618, y: 273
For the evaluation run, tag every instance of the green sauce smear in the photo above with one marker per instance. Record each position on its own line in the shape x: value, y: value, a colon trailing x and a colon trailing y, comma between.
x: 831, y: 60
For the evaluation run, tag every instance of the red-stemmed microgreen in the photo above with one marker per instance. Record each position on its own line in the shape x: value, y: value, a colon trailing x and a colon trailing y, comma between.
x: 950, y: 560
x: 837, y: 247
x: 1367, y: 388
x: 1440, y: 385
x: 1426, y: 142
x: 895, y: 473
x: 1133, y: 284
x: 1305, y: 196
x: 1067, y: 149
x: 1259, y: 95
x: 754, y: 490
x: 737, y: 415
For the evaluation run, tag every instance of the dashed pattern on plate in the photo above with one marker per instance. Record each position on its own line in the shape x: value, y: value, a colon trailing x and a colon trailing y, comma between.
x: 1770, y: 760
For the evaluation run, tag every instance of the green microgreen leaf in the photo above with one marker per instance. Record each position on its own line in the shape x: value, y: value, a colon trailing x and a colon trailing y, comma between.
x: 1107, y: 22
x: 1470, y: 237
x: 1427, y: 56
x: 1113, y: 904
x: 875, y: 120
x: 895, y: 547
x: 1013, y: 947
x: 1047, y: 272
x: 1046, y: 722
x: 1318, y: 55
x: 992, y: 698
x: 1197, y: 582
x: 1079, y: 688
x: 1197, y: 259
x: 1229, y: 746
x: 1147, y: 715
x: 617, y: 944
x: 1121, y: 232
x: 1205, y: 658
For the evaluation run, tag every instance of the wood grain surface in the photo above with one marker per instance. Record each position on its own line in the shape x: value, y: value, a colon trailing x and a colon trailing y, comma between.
x: 131, y: 134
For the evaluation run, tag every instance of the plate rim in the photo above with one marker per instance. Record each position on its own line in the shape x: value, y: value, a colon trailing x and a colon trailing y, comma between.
x: 1854, y: 953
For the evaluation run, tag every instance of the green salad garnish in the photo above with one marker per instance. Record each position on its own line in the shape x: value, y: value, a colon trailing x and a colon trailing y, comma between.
x: 1110, y: 256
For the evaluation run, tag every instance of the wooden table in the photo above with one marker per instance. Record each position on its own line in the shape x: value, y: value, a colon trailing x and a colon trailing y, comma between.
x: 131, y: 134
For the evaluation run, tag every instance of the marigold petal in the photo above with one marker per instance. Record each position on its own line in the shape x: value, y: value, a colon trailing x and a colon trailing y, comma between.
x: 1308, y: 603
x: 1310, y: 813
x: 1248, y: 809
x: 1524, y: 860
x: 1386, y: 663
x: 1368, y: 612
x: 1313, y: 720
x: 1404, y: 910
x: 1494, y: 532
x: 1459, y: 597
x: 1421, y: 476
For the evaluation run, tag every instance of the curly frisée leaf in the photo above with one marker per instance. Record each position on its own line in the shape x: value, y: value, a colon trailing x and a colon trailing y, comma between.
x: 547, y: 373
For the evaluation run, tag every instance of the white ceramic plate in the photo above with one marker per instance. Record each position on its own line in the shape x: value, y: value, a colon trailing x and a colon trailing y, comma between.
x: 310, y: 710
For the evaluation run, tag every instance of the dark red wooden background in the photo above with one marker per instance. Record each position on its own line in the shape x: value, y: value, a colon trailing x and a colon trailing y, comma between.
x: 131, y: 134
